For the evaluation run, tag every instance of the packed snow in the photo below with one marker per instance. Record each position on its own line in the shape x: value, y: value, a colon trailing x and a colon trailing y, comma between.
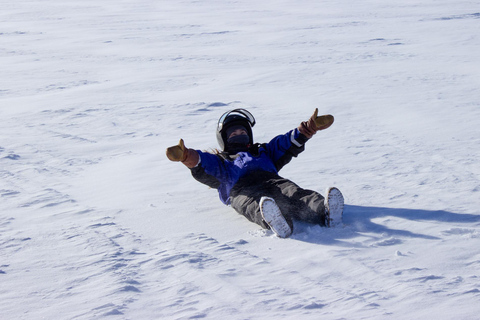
x: 96, y: 222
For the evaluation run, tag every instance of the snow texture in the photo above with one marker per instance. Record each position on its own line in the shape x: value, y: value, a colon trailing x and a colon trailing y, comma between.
x: 96, y: 223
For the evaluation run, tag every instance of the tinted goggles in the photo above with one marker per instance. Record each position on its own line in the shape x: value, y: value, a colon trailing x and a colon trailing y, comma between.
x: 240, y: 112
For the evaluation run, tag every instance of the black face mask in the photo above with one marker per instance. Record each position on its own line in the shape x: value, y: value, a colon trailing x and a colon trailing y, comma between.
x: 238, y: 144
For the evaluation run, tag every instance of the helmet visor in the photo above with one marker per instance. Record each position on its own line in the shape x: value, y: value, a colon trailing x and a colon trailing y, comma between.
x: 241, y: 112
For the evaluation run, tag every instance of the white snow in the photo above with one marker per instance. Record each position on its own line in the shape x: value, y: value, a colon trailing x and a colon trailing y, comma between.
x: 96, y: 223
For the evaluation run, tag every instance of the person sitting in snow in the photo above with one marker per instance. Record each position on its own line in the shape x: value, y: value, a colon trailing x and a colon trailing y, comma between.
x: 246, y: 174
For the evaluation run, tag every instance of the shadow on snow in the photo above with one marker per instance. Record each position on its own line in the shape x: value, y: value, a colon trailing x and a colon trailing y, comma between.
x: 359, y: 222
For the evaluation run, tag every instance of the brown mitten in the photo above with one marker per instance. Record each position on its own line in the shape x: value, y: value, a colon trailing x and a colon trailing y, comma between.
x: 188, y: 157
x: 178, y: 152
x: 315, y: 123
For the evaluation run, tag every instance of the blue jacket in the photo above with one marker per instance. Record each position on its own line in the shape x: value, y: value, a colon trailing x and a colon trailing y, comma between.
x: 222, y: 171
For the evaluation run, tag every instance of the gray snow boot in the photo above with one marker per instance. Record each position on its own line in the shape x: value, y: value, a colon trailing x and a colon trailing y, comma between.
x: 274, y: 218
x: 334, y: 203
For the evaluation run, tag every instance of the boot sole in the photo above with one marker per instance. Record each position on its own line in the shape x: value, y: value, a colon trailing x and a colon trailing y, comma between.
x: 334, y: 204
x: 274, y: 218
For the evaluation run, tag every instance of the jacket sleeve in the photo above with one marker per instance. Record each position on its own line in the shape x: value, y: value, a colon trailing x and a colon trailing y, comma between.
x: 209, y: 170
x: 283, y: 148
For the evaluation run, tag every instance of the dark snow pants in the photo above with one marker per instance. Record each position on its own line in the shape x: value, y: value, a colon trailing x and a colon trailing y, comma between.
x: 293, y: 201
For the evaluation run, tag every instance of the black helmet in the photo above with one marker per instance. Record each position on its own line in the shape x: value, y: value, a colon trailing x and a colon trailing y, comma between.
x: 232, y: 118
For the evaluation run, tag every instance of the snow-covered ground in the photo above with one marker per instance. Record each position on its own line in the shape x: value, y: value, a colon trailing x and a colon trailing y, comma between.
x: 96, y: 223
